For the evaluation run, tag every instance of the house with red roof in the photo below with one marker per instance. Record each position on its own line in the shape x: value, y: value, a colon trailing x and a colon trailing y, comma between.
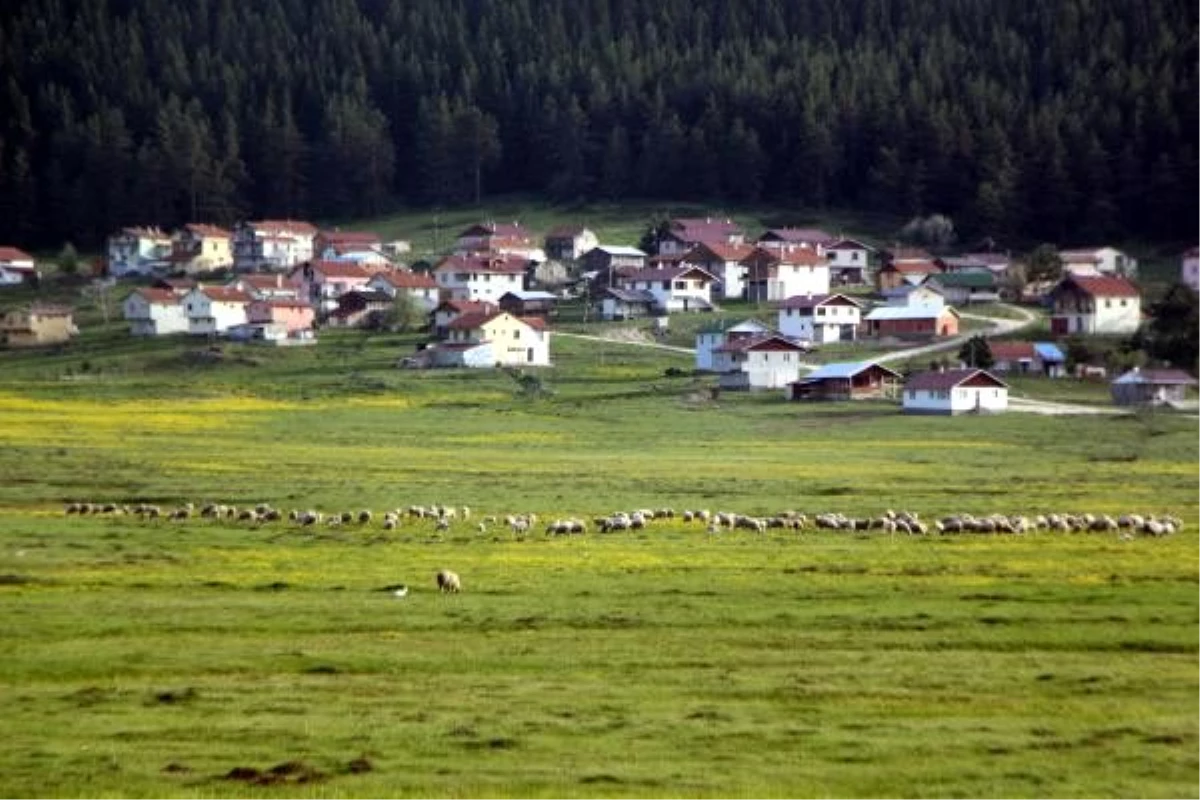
x: 449, y: 310
x: 1094, y: 304
x: 272, y: 244
x: 155, y: 312
x: 894, y: 274
x: 684, y: 233
x: 197, y: 247
x: 766, y: 361
x: 420, y: 287
x: 1028, y: 358
x: 480, y: 276
x: 16, y: 267
x: 681, y: 288
x: 504, y: 238
x: 775, y: 275
x: 724, y: 262
x: 334, y: 245
x: 266, y: 286
x: 955, y: 391
x: 321, y: 283
x: 1189, y: 269
x: 215, y: 309
x: 820, y: 318
x: 292, y: 315
x: 788, y: 239
x: 494, y: 339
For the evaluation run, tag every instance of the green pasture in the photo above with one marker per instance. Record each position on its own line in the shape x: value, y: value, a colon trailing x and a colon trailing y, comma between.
x: 202, y: 658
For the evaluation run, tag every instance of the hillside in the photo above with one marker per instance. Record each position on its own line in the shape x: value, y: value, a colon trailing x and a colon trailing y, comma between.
x: 1069, y: 121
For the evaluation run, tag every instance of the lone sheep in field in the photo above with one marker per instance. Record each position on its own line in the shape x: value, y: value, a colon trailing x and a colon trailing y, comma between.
x: 448, y: 581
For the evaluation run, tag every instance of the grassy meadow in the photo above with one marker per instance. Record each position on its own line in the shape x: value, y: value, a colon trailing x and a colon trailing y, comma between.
x: 204, y: 658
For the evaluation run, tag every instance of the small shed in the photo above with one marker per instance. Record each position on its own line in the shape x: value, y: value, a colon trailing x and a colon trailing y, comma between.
x: 854, y: 380
x: 1151, y: 387
x: 529, y: 304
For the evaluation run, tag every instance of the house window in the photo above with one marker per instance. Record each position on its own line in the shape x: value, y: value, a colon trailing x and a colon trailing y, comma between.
x: 854, y: 256
x: 517, y: 333
x: 912, y: 394
x: 1108, y: 303
x: 1122, y: 302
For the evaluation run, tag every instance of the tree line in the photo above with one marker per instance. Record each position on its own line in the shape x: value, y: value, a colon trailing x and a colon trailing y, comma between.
x: 1070, y: 121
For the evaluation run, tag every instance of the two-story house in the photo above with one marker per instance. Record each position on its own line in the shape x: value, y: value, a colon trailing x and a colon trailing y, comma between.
x: 291, y: 315
x: 849, y: 262
x: 569, y: 242
x: 770, y: 361
x: 504, y: 238
x: 321, y: 283
x: 448, y: 311
x: 607, y: 257
x: 494, y: 339
x: 419, y: 287
x: 155, y: 312
x: 724, y: 262
x: 685, y: 233
x: 480, y: 276
x: 201, y: 248
x: 134, y: 252
x: 16, y: 267
x: 1098, y: 261
x: 1189, y: 269
x: 775, y: 275
x: 682, y: 288
x: 215, y: 309
x: 820, y: 318
x: 710, y: 337
x: 361, y: 246
x: 786, y: 240
x: 272, y: 245
x: 1094, y: 304
x: 37, y: 325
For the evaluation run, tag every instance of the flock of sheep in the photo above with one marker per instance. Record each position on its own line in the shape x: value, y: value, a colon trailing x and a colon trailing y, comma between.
x: 444, y: 517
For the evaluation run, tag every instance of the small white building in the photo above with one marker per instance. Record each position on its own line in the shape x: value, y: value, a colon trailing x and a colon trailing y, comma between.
x: 215, y: 309
x: 710, y: 337
x: 154, y: 312
x: 682, y: 288
x: 849, y: 262
x: 1189, y: 269
x: 1098, y: 261
x: 770, y: 361
x: 16, y: 267
x: 138, y: 252
x: 774, y: 276
x: 820, y: 318
x: 955, y: 391
x: 1095, y: 304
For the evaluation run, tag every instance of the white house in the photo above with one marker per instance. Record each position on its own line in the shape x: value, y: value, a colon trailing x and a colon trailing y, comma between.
x: 569, y: 242
x: 271, y: 244
x: 955, y: 391
x: 215, y: 309
x: 138, y: 252
x: 484, y: 277
x: 914, y: 294
x: 359, y: 246
x: 418, y: 286
x: 513, y: 341
x: 1098, y: 261
x: 724, y: 263
x: 1189, y: 269
x: 1095, y: 304
x: 682, y: 288
x: 154, y: 312
x: 774, y: 276
x: 820, y: 318
x: 710, y: 337
x: 16, y: 266
x: 848, y: 261
x: 770, y: 361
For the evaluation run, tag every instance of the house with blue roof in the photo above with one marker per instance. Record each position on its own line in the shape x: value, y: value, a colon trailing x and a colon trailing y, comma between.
x: 1028, y: 358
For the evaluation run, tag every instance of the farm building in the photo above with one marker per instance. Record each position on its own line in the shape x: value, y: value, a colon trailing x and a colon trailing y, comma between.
x: 967, y: 287
x: 710, y: 337
x: 620, y: 304
x: 1151, y: 387
x: 770, y: 361
x: 856, y: 380
x: 529, y: 303
x: 37, y: 325
x: 1028, y: 358
x: 912, y: 321
x: 955, y: 391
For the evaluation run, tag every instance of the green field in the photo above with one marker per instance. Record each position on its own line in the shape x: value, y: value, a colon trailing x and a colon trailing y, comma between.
x: 204, y: 658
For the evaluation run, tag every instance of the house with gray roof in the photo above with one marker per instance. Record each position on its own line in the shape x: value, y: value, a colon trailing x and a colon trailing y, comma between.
x: 847, y: 380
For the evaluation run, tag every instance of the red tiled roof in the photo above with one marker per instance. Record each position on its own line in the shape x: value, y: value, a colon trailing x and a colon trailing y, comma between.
x: 513, y: 230
x: 14, y: 254
x: 1011, y: 351
x: 703, y: 229
x: 743, y: 343
x: 467, y: 306
x: 207, y: 231
x: 661, y: 274
x: 913, y: 267
x: 277, y: 226
x: 225, y: 294
x: 472, y: 320
x: 483, y: 262
x: 908, y: 254
x: 534, y: 322
x: 720, y: 251
x: 159, y: 296
x: 940, y: 381
x: 342, y: 269
x: 350, y: 237
x: 1101, y: 285
x: 282, y: 302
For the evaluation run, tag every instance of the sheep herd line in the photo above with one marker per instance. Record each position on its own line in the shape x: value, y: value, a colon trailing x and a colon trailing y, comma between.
x: 443, y: 518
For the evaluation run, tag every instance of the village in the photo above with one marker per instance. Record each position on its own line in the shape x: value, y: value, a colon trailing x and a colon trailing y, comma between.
x: 494, y: 299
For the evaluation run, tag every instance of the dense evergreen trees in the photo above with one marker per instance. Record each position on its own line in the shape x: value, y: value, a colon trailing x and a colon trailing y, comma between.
x: 1065, y: 120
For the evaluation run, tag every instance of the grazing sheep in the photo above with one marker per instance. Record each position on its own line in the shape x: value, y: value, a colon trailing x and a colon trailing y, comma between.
x: 448, y: 581
x: 389, y: 524
x: 364, y: 517
x: 443, y: 523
